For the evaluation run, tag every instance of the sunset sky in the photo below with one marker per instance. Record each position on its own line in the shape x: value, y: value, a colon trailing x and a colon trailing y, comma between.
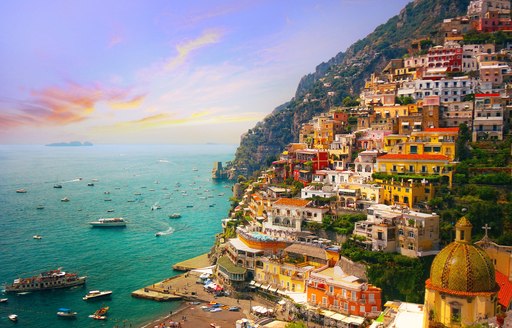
x: 163, y: 71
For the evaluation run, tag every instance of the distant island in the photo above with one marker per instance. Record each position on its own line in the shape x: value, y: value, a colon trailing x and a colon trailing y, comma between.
x: 70, y: 144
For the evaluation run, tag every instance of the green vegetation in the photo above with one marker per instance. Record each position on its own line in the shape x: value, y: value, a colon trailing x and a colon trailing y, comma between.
x: 269, y: 137
x: 400, y: 277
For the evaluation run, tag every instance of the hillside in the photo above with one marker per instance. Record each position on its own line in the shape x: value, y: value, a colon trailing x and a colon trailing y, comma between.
x: 346, y: 73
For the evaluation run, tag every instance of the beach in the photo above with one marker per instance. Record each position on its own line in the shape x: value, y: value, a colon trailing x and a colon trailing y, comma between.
x: 191, y: 313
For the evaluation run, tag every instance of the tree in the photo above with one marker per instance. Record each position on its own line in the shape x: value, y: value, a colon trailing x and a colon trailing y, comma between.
x: 296, y: 324
x: 461, y: 146
x: 404, y: 100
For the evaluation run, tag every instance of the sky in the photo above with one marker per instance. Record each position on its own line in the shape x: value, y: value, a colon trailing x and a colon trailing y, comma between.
x: 163, y: 71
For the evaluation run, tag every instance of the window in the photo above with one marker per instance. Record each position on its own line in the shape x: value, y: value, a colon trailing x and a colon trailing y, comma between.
x: 414, y: 149
x: 324, y: 301
x: 344, y: 293
x: 331, y: 289
x: 411, y: 234
x: 423, y: 169
x: 313, y: 298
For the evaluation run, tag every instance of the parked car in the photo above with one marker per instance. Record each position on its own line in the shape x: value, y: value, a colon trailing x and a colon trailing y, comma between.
x: 234, y: 308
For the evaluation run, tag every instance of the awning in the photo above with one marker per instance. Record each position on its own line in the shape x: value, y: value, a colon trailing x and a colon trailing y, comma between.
x: 272, y: 289
x: 353, y: 320
x: 405, y: 123
x: 265, y: 286
x: 257, y: 284
x: 252, y: 282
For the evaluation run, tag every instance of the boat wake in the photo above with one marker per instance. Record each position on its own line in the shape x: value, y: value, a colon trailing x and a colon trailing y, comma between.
x: 166, y: 232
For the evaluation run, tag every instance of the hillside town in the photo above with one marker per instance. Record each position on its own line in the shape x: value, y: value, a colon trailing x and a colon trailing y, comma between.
x: 368, y: 173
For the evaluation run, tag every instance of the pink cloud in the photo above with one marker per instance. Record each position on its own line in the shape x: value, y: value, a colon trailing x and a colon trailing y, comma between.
x: 60, y: 105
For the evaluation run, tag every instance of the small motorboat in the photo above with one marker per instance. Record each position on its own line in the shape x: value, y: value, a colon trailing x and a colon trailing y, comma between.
x: 110, y: 211
x: 175, y: 216
x: 40, y: 207
x: 98, y: 317
x: 13, y: 317
x: 37, y: 237
x: 66, y: 313
x: 65, y: 199
x: 90, y: 184
x: 3, y: 300
x: 158, y: 234
x: 21, y: 191
x: 100, y: 314
x: 97, y: 294
x: 57, y: 186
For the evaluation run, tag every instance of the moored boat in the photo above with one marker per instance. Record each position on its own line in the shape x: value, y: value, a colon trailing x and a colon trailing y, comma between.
x: 21, y: 191
x: 13, y: 317
x: 96, y: 294
x: 37, y: 237
x: 46, y: 280
x: 40, y: 207
x: 66, y: 313
x: 100, y: 314
x: 57, y: 186
x: 109, y: 222
x: 175, y: 216
x: 4, y: 300
x: 65, y: 199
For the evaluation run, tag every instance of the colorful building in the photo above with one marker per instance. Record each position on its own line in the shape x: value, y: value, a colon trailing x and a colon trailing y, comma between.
x: 330, y: 288
x: 462, y: 286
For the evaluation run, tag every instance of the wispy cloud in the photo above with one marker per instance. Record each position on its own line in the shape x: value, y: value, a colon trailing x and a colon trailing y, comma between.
x: 185, y: 48
x: 132, y: 103
x: 62, y: 105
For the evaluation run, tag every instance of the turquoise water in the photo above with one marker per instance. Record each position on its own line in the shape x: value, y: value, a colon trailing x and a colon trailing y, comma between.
x: 118, y: 259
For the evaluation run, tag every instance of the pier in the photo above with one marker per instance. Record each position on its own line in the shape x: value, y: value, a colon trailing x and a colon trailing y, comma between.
x: 197, y: 262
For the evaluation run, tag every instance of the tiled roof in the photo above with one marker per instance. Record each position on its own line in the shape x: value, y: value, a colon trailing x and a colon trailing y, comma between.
x: 413, y: 157
x: 442, y: 130
x: 505, y: 293
x: 429, y: 285
x: 292, y: 202
x: 483, y: 95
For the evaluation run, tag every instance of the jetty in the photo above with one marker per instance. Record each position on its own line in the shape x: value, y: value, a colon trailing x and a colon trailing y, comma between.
x: 197, y: 262
x: 180, y: 287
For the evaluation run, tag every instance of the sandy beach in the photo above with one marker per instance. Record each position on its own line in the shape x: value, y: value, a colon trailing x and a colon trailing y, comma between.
x: 192, y: 315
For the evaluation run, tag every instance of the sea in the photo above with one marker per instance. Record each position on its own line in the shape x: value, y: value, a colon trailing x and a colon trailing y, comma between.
x: 144, y: 184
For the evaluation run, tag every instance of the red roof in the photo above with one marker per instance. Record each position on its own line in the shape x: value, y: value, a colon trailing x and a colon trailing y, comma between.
x: 414, y: 157
x: 442, y: 130
x: 505, y: 293
x: 292, y: 202
x: 483, y: 95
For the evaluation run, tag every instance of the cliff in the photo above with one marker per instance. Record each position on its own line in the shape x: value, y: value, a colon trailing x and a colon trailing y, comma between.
x: 346, y: 73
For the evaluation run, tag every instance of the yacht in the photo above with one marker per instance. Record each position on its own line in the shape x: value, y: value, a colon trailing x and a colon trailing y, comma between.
x: 96, y: 294
x: 66, y: 313
x: 109, y: 222
x: 46, y: 280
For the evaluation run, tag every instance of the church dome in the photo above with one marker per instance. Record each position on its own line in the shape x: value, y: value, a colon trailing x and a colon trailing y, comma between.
x: 462, y: 266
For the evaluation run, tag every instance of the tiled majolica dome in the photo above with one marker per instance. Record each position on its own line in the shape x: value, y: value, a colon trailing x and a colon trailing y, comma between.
x: 462, y: 266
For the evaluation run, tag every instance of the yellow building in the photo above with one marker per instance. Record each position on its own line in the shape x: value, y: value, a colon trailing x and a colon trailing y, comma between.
x: 413, y: 164
x: 431, y: 141
x: 462, y: 287
x: 408, y: 193
x: 395, y: 111
x: 290, y: 272
x: 393, y: 143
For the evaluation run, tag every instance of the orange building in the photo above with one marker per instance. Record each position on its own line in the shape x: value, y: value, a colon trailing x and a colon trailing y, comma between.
x: 332, y: 289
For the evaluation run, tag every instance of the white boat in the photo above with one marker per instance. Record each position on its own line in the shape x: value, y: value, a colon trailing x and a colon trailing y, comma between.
x: 96, y: 294
x: 3, y: 300
x: 45, y: 280
x: 175, y: 216
x: 65, y: 199
x: 66, y: 313
x: 156, y: 207
x: 37, y: 237
x: 40, y: 207
x: 21, y: 191
x: 158, y: 234
x: 109, y: 222
x: 13, y: 317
